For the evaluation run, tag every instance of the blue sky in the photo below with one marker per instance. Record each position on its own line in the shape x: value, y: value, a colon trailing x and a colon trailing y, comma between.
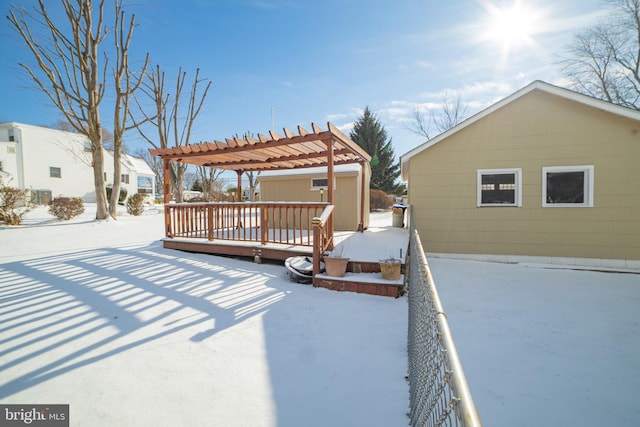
x: 325, y: 60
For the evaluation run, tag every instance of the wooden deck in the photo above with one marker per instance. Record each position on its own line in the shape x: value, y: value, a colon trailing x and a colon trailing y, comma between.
x: 364, y: 249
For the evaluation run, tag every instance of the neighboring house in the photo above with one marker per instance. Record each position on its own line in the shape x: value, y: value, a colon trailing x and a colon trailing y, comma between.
x: 135, y: 174
x: 545, y: 172
x: 51, y: 163
x: 310, y: 185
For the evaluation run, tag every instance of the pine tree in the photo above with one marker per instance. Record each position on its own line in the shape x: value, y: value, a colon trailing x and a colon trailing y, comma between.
x: 369, y: 134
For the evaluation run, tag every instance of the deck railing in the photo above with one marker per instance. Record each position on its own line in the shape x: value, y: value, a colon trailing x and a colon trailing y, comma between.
x: 438, y: 390
x: 322, y: 236
x: 264, y: 222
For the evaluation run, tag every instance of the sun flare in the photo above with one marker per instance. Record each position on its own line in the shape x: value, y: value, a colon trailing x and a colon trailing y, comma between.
x: 511, y: 26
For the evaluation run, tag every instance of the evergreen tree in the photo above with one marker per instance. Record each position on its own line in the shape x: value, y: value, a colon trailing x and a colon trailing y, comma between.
x: 369, y: 134
x: 197, y: 185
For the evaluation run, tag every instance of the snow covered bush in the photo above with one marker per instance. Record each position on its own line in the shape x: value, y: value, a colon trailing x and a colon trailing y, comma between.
x: 135, y: 204
x: 66, y: 207
x: 378, y: 199
x: 13, y: 205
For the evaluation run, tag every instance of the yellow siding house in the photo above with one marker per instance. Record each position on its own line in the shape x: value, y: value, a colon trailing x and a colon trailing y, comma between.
x: 546, y: 174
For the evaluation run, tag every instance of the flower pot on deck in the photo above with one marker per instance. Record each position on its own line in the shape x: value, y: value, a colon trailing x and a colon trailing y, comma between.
x: 335, y: 266
x: 390, y: 269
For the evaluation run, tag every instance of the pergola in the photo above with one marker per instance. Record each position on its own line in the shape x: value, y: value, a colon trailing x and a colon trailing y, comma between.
x: 305, y: 149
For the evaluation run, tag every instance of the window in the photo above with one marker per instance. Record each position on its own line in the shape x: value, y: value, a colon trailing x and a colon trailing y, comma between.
x: 124, y: 178
x: 145, y: 184
x: 567, y: 186
x: 55, y: 172
x: 1, y: 169
x: 499, y: 187
x: 12, y: 136
x: 321, y: 183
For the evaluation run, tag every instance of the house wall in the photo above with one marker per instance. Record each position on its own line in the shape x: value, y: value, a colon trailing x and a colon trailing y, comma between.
x: 26, y: 162
x: 129, y: 168
x: 297, y: 188
x: 40, y: 148
x: 534, y: 131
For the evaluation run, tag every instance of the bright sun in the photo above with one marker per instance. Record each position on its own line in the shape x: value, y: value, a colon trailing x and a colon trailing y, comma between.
x: 510, y: 26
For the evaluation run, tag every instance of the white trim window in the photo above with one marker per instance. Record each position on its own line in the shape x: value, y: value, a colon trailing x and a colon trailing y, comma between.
x: 567, y: 186
x: 499, y: 187
x: 55, y: 172
x: 318, y: 184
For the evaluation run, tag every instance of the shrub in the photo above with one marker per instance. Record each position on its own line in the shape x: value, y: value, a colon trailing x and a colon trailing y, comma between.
x: 66, y: 207
x: 121, y: 197
x: 378, y: 199
x: 13, y: 205
x: 135, y: 204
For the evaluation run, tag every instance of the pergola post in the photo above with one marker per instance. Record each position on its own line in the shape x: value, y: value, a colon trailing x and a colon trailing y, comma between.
x: 167, y: 196
x: 239, y: 196
x: 330, y: 171
x: 362, y: 193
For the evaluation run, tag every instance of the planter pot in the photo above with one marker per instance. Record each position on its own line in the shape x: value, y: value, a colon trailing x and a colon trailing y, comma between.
x: 390, y: 271
x: 335, y: 266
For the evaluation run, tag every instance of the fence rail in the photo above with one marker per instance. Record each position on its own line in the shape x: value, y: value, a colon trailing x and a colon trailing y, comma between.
x: 439, y: 394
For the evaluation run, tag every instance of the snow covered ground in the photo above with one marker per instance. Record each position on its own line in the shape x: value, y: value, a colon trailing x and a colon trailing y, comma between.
x: 545, y: 346
x: 98, y: 315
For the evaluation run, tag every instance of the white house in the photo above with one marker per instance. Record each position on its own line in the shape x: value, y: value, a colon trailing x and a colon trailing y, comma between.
x: 53, y: 163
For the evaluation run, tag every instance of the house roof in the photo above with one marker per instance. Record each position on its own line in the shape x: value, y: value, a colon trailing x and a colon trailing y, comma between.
x: 139, y: 164
x: 536, y: 85
x: 275, y: 152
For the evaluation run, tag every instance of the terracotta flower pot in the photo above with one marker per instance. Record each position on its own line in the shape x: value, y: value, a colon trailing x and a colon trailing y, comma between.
x: 335, y: 266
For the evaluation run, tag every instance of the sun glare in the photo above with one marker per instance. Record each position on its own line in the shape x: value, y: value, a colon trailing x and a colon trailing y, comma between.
x: 510, y: 26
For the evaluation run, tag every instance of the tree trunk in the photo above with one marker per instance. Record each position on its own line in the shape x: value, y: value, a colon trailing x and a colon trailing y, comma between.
x: 115, y: 193
x: 98, y: 179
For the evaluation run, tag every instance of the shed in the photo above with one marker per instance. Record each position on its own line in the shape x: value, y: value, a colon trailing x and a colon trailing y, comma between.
x: 310, y: 185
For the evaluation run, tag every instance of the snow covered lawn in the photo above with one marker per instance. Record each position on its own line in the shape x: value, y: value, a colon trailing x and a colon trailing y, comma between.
x: 545, y: 346
x: 99, y: 316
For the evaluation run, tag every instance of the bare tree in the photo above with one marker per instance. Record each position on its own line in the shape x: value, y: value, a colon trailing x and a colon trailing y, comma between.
x: 169, y: 119
x: 125, y: 86
x: 252, y: 176
x: 603, y: 61
x: 253, y: 183
x: 208, y: 178
x: 451, y: 113
x: 69, y: 71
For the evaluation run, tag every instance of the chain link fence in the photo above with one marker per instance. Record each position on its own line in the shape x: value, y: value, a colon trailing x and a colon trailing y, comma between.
x: 439, y: 394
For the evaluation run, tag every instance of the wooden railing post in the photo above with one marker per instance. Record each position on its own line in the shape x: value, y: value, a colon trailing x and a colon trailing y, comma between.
x: 264, y: 225
x: 210, y: 215
x: 317, y: 244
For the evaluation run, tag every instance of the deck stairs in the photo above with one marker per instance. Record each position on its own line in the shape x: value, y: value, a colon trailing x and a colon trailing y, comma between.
x: 362, y: 277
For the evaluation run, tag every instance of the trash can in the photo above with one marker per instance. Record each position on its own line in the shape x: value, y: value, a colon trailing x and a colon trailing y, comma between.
x: 397, y: 215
